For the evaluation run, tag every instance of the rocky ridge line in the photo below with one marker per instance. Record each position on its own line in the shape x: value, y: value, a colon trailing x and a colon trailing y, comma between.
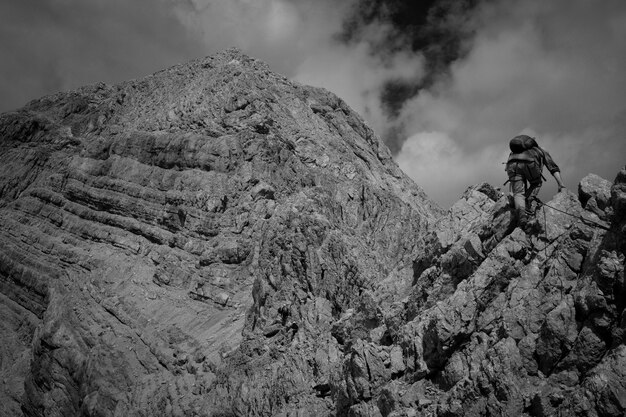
x: 500, y: 322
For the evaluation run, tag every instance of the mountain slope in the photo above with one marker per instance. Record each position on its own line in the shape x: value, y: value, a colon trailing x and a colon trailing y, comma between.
x: 216, y: 240
x: 166, y: 240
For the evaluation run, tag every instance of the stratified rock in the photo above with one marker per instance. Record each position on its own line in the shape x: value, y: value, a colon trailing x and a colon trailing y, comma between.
x: 182, y: 244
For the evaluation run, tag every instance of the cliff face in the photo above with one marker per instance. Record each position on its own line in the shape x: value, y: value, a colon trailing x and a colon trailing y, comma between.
x: 166, y: 240
x: 500, y: 322
x: 216, y: 240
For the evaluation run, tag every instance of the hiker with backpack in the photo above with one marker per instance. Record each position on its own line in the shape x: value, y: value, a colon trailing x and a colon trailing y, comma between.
x: 524, y: 168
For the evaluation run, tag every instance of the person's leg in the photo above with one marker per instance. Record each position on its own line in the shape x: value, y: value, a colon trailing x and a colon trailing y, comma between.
x: 518, y: 189
x: 520, y: 203
x: 531, y: 198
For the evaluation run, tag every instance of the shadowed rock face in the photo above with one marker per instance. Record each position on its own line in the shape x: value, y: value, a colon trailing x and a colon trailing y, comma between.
x: 215, y: 240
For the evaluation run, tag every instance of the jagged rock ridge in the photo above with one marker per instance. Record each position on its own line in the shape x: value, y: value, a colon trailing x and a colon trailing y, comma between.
x: 216, y: 240
x: 500, y: 322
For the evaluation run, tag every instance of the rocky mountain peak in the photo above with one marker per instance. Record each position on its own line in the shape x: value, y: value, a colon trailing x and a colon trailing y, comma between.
x: 215, y: 239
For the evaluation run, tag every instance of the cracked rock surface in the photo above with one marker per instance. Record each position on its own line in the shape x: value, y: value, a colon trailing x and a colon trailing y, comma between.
x: 500, y: 322
x: 181, y: 244
x: 216, y: 240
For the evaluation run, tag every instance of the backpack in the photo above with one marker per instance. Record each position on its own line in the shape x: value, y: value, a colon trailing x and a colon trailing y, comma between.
x: 526, y: 150
x: 522, y: 143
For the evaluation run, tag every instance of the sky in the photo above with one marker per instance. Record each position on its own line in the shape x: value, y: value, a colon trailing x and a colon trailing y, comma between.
x: 445, y: 83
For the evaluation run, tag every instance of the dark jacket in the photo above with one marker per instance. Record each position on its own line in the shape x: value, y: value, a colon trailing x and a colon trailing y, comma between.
x: 525, y: 149
x: 529, y: 164
x: 545, y: 159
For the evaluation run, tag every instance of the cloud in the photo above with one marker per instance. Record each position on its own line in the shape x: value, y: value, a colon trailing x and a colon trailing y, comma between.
x: 444, y: 168
x: 556, y: 70
x: 280, y: 32
x: 357, y: 77
x: 298, y: 38
x: 49, y: 46
x: 470, y: 74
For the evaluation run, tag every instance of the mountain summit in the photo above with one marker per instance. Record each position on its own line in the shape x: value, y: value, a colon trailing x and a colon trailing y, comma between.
x: 216, y: 240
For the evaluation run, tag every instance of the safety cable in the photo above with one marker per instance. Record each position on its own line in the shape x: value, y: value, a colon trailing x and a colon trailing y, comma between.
x: 587, y: 221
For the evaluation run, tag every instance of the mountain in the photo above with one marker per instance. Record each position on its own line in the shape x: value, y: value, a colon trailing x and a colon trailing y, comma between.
x: 217, y: 240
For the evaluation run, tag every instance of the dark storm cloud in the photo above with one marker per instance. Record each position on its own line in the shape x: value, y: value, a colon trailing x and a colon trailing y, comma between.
x: 49, y: 46
x: 376, y: 54
x: 437, y: 30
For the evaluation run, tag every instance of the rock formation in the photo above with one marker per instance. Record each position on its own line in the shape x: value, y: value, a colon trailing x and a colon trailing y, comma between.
x: 216, y: 240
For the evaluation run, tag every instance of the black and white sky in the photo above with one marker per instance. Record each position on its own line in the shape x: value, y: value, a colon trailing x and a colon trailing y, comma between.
x: 446, y: 83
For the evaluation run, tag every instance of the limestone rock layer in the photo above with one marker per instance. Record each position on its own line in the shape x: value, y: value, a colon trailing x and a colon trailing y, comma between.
x: 216, y: 240
x: 166, y: 240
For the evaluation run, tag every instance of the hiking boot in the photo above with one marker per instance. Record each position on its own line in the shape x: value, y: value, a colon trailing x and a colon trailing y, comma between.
x: 531, y: 207
x: 533, y: 227
x: 511, y: 200
x: 522, y: 219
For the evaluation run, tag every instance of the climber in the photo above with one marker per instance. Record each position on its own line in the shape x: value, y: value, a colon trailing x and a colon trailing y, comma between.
x: 524, y: 168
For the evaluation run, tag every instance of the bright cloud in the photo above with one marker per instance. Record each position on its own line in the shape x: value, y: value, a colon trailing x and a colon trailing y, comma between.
x: 557, y: 69
x: 445, y: 168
